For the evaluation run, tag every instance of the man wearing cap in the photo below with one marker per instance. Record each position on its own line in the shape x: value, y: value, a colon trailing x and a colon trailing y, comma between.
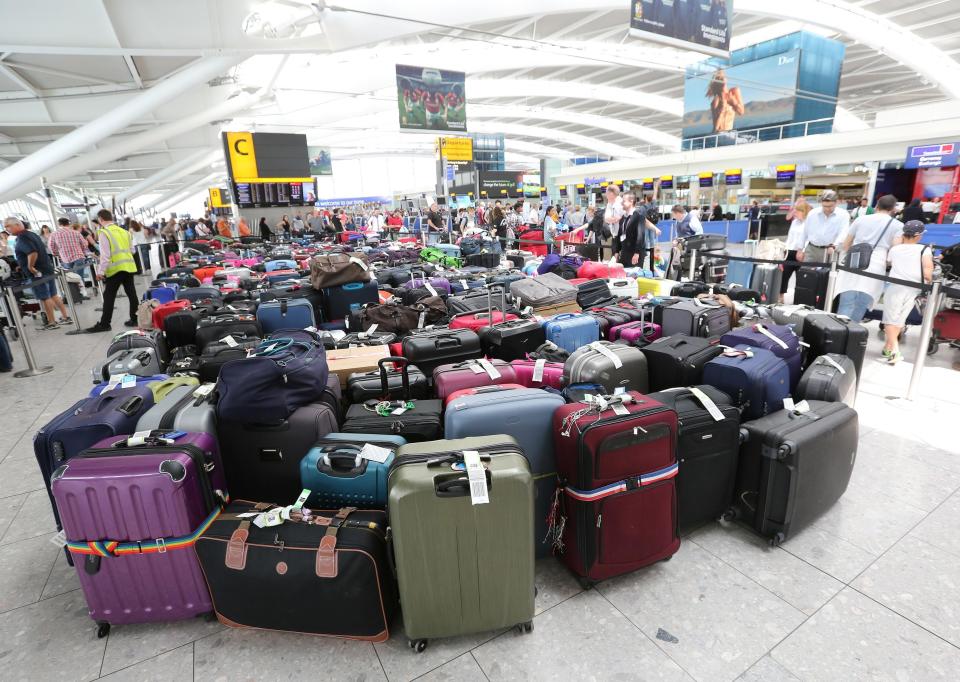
x: 116, y: 269
x: 36, y: 263
x: 913, y: 262
x: 824, y: 228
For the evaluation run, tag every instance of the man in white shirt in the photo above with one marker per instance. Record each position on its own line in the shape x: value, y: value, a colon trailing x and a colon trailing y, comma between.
x: 861, y: 210
x: 574, y: 216
x: 533, y: 216
x: 612, y: 214
x: 695, y: 223
x: 824, y: 228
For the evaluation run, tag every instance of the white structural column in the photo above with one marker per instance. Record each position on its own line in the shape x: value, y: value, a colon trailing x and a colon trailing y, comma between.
x: 27, y: 170
x: 185, y: 166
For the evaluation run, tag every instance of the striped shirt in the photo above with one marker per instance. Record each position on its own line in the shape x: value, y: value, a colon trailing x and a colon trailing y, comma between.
x: 68, y: 245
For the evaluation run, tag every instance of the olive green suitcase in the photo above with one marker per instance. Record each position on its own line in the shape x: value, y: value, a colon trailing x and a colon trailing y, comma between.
x: 462, y: 568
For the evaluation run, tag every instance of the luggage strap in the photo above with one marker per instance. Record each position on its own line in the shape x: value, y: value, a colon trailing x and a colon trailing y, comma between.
x: 115, y: 548
x: 631, y: 483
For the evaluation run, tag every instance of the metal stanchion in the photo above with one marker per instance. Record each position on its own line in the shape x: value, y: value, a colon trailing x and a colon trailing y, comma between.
x: 68, y: 294
x: 693, y: 264
x: 831, y: 284
x: 32, y: 369
x: 933, y: 305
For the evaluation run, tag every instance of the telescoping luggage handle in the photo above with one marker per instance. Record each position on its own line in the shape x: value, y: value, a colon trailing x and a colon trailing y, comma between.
x: 400, y: 362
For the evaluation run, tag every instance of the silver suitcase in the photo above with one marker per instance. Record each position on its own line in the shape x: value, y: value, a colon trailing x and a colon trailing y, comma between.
x: 143, y: 362
x: 185, y: 408
x: 613, y: 365
x: 792, y: 314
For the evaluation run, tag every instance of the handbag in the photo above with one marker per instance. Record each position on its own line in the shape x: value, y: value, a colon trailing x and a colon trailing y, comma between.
x: 336, y: 269
x: 859, y: 255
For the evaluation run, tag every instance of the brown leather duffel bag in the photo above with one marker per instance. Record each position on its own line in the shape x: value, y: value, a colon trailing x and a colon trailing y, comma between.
x: 332, y: 270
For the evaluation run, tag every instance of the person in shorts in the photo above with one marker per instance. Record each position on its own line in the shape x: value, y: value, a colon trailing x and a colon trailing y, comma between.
x: 36, y: 263
x: 913, y: 262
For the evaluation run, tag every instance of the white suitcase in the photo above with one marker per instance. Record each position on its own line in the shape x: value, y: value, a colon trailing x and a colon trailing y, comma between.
x: 623, y: 287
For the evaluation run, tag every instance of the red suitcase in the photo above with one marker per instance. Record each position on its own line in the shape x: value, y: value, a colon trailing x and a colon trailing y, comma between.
x: 617, y: 464
x: 161, y: 312
x: 549, y: 376
x: 593, y: 270
x: 450, y: 378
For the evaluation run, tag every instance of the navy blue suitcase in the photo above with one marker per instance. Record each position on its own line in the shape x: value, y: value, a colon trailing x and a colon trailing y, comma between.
x: 756, y: 380
x: 286, y: 313
x: 779, y: 339
x: 339, y: 301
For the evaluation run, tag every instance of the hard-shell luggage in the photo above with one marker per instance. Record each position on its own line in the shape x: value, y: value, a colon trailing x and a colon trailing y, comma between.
x: 811, y: 287
x: 636, y: 333
x: 794, y: 465
x: 679, y: 360
x: 512, y: 340
x: 694, y: 317
x: 538, y: 373
x: 571, y: 331
x: 294, y: 313
x: 431, y: 348
x: 142, y: 362
x: 387, y: 383
x: 526, y: 415
x: 137, y: 338
x: 163, y: 294
x: 220, y: 326
x: 367, y: 338
x: 616, y: 460
x: 462, y: 567
x: 622, y: 287
x: 197, y: 294
x: 766, y: 280
x: 779, y: 339
x: 325, y: 572
x: 206, y: 271
x: 164, y: 310
x: 185, y: 408
x: 614, y: 366
x: 829, y: 378
x: 415, y: 420
x: 338, y: 301
x: 795, y: 315
x: 280, y: 264
x: 655, y: 287
x: 349, y: 469
x: 708, y: 447
x: 755, y: 379
x: 131, y: 515
x: 828, y: 333
x: 279, y: 276
x: 470, y: 374
x: 739, y: 272
x: 263, y: 460
x: 705, y: 242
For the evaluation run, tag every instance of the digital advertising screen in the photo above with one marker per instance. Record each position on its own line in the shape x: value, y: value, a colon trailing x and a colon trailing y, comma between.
x: 700, y: 25
x: 749, y: 95
x: 431, y: 99
x: 320, y: 161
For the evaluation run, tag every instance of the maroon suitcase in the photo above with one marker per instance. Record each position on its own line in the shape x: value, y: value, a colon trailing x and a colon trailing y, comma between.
x: 471, y: 374
x: 616, y: 462
x: 130, y: 517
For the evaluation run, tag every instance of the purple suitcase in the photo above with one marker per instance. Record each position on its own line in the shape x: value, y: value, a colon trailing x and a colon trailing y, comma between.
x: 448, y: 379
x: 130, y: 516
x: 633, y: 332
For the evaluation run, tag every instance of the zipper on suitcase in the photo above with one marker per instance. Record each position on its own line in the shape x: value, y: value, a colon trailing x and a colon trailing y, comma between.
x: 583, y: 472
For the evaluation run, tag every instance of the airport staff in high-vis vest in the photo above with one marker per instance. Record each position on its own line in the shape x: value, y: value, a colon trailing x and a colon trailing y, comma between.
x: 116, y: 269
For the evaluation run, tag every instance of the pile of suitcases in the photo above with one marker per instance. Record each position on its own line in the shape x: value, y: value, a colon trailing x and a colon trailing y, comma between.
x: 306, y: 437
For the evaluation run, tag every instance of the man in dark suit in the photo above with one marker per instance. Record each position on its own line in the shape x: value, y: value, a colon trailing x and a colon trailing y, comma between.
x: 630, y: 231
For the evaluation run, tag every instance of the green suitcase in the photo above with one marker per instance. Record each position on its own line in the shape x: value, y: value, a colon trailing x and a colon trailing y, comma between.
x: 462, y: 568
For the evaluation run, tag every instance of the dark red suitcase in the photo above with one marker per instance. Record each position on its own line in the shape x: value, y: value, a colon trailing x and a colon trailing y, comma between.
x: 617, y: 464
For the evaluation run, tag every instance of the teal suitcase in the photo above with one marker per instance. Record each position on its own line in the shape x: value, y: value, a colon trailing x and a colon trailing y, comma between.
x: 341, y: 471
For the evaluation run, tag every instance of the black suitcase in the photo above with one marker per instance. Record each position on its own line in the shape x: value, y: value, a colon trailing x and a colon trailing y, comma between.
x: 794, y: 466
x: 182, y: 280
x: 737, y: 292
x: 416, y: 420
x: 512, y: 340
x: 830, y: 378
x: 181, y: 328
x: 388, y: 383
x: 708, y: 447
x: 326, y: 573
x: 766, y: 280
x: 216, y: 327
x: 184, y: 361
x: 678, y: 360
x: 593, y: 293
x: 366, y: 338
x: 689, y: 289
x: 656, y: 306
x: 811, y: 287
x: 705, y: 242
x: 434, y: 347
x: 827, y: 333
x: 262, y: 461
x: 516, y: 259
x: 218, y: 353
x: 484, y: 260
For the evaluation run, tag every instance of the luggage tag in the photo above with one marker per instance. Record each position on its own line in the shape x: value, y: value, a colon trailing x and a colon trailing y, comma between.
x: 422, y: 320
x: 477, y: 477
x: 609, y: 354
x: 128, y: 381
x: 230, y: 341
x: 538, y: 368
x: 429, y: 287
x: 489, y: 368
x: 710, y: 406
x: 173, y: 435
x: 763, y: 330
x: 138, y: 438
x: 359, y: 262
x: 204, y: 391
x: 375, y: 453
x: 475, y: 368
x: 836, y: 365
x: 803, y: 407
x: 269, y: 518
x: 60, y: 539
x: 788, y: 404
x: 463, y: 283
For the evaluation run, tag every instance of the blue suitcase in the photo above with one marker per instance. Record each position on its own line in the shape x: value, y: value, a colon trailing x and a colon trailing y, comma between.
x: 337, y: 476
x: 282, y: 264
x: 285, y: 313
x: 163, y: 294
x: 739, y: 272
x: 756, y: 380
x: 279, y: 276
x: 788, y: 347
x: 196, y: 294
x: 140, y: 381
x: 459, y: 285
x: 526, y: 414
x: 339, y: 301
x: 570, y: 331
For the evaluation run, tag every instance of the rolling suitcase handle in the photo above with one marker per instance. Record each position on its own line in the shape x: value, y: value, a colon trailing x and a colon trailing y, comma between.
x: 400, y: 362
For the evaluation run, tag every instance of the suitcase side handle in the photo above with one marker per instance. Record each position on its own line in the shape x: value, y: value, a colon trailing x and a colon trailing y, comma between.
x: 457, y: 485
x: 131, y: 406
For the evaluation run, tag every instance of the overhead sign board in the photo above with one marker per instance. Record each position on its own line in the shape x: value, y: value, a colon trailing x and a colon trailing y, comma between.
x: 706, y: 179
x: 431, y: 99
x: 456, y: 148
x: 733, y: 176
x: 267, y: 157
x: 219, y: 198
x: 666, y: 182
x: 942, y: 155
x: 648, y: 184
x: 787, y: 172
x: 687, y: 24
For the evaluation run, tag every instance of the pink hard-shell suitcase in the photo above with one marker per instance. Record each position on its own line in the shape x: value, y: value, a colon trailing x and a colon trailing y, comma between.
x: 470, y: 374
x: 550, y: 375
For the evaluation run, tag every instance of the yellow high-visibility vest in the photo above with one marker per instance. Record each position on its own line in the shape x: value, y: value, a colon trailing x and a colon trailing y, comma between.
x: 121, y: 258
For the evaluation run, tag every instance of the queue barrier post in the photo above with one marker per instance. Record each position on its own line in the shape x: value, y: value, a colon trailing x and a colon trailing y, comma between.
x: 929, y: 311
x: 831, y: 284
x: 693, y: 264
x: 32, y: 368
x: 68, y: 294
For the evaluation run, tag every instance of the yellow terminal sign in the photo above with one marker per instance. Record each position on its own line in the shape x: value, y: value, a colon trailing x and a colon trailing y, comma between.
x: 217, y: 198
x: 243, y: 157
x: 456, y: 148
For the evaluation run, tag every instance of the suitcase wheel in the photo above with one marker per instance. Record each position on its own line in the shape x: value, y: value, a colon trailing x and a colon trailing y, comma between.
x: 418, y: 645
x: 103, y: 629
x: 777, y: 539
x: 525, y: 628
x: 585, y: 583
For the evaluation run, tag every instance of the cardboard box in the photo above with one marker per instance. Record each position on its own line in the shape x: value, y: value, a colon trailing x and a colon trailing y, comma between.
x: 346, y: 361
x: 550, y: 311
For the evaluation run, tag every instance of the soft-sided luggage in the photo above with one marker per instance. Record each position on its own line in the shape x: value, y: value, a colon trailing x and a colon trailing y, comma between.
x: 137, y: 338
x: 705, y: 242
x: 695, y: 317
x: 538, y: 373
x: 543, y: 291
x: 278, y: 277
x: 206, y: 271
x: 830, y: 378
x: 453, y: 555
x: 708, y: 447
x: 474, y: 300
x: 217, y: 327
x: 187, y: 408
x: 614, y: 366
x: 779, y: 339
x: 349, y: 469
x: 793, y: 466
x: 415, y: 420
x: 142, y: 362
x: 334, y: 269
x: 595, y: 292
x: 387, y: 384
x: 755, y: 379
x: 470, y: 374
x: 434, y: 347
x: 616, y: 460
x: 123, y: 382
x: 295, y: 313
x: 219, y: 353
x: 338, y: 301
x: 739, y: 272
x: 679, y: 360
x: 368, y: 338
x: 828, y: 333
x: 317, y: 572
x: 766, y: 280
x: 526, y: 415
x: 478, y: 320
x: 131, y: 514
x: 164, y: 310
x: 595, y: 270
x: 689, y: 289
x: 571, y: 331
x: 811, y: 287
x: 180, y: 327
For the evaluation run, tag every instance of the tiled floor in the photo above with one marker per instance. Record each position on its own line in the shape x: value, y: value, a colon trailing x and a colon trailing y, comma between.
x: 871, y: 591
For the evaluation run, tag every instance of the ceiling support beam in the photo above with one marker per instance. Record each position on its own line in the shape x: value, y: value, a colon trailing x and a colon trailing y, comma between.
x: 186, y: 166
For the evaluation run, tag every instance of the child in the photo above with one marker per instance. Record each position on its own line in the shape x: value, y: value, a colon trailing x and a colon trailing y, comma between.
x: 911, y: 261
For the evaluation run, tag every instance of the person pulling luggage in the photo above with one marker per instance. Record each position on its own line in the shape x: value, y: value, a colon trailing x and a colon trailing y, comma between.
x: 116, y: 269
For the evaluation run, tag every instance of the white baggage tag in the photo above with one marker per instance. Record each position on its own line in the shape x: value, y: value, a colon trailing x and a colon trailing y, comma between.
x: 804, y: 344
x: 115, y: 380
x: 230, y: 307
x: 138, y: 438
x: 589, y: 398
x: 422, y: 320
x: 539, y: 318
x: 620, y: 409
x: 359, y: 262
x: 489, y: 368
x: 464, y: 284
x: 538, y: 368
x: 346, y: 322
x: 619, y: 390
x: 527, y: 310
x: 429, y: 287
x: 269, y: 348
x: 763, y: 330
x: 477, y: 477
x: 128, y: 381
x: 230, y: 341
x: 371, y: 330
x: 285, y: 512
x: 304, y: 494
x: 375, y: 453
x: 788, y: 403
x: 476, y: 368
x: 803, y: 407
x: 831, y: 361
x: 60, y: 539
x: 399, y: 411
x: 311, y: 329
x: 248, y: 515
x: 268, y: 519
x: 609, y: 354
x: 710, y: 406
x: 204, y: 391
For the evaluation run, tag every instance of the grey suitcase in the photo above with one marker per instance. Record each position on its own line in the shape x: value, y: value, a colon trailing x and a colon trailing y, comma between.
x: 185, y: 408
x: 694, y: 317
x: 543, y: 290
x: 831, y: 378
x: 766, y: 281
x: 142, y: 362
x: 614, y: 365
x: 792, y: 314
x: 140, y: 338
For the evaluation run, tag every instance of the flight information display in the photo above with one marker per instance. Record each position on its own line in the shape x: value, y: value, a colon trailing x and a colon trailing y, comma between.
x: 274, y: 194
